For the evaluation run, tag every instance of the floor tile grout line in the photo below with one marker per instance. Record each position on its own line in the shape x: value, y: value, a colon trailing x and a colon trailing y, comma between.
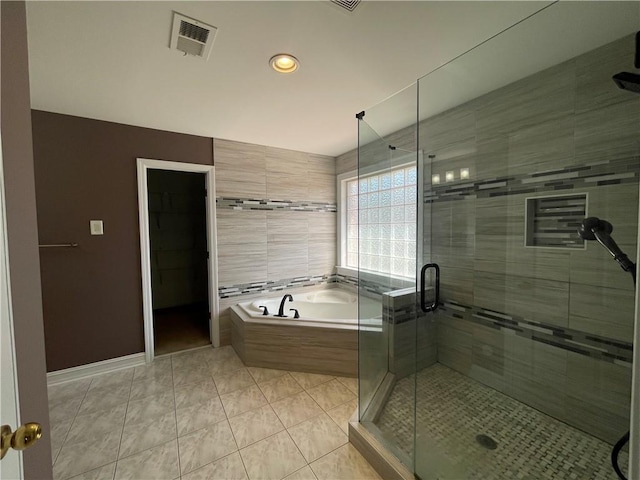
x: 73, y: 419
x: 333, y: 377
x: 104, y: 464
x: 123, y: 423
x: 175, y: 412
x: 238, y: 448
x: 298, y: 448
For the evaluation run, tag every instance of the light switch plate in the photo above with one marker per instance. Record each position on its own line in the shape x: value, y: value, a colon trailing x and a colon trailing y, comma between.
x: 97, y: 227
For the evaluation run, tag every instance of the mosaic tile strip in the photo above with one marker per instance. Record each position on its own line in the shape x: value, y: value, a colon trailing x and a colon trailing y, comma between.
x: 227, y: 203
x: 613, y: 172
x: 279, y: 285
x: 375, y: 288
x: 602, y: 348
x: 453, y: 408
x: 273, y: 286
x: 395, y: 314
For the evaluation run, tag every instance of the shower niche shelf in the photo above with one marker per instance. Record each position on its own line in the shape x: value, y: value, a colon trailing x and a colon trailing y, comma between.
x: 552, y: 221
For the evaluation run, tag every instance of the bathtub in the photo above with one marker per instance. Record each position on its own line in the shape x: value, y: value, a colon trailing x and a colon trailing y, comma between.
x: 331, y: 307
x: 323, y: 340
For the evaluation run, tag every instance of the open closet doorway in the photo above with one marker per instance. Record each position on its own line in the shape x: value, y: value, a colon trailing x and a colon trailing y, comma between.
x: 179, y: 276
x: 177, y: 229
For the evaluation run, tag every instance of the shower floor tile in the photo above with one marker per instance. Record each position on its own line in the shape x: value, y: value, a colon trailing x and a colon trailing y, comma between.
x: 453, y: 409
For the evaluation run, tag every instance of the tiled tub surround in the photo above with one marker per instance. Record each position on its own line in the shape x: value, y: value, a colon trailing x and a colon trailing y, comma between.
x: 276, y: 220
x: 312, y: 343
x: 203, y: 414
x: 313, y: 348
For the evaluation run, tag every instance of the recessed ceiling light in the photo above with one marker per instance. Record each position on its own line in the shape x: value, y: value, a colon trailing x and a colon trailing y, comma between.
x: 284, y: 63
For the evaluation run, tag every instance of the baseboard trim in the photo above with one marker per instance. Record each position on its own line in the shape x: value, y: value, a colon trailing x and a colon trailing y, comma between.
x: 97, y: 368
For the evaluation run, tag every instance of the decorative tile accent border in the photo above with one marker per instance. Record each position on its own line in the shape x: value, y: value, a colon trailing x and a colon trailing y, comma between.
x: 595, y: 346
x: 227, y: 203
x: 375, y: 288
x: 273, y: 286
x: 396, y: 314
x: 613, y: 172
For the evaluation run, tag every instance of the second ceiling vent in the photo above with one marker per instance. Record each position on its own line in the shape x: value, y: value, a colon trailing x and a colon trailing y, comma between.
x: 349, y: 5
x: 192, y: 37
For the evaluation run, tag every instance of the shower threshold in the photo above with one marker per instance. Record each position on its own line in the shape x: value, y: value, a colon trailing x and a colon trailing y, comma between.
x: 453, y: 410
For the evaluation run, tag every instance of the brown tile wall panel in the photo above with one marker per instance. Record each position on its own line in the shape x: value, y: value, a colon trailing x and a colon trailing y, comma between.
x: 347, y: 162
x: 240, y: 169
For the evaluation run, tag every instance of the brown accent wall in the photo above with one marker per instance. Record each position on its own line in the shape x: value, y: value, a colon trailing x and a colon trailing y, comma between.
x: 86, y: 170
x: 22, y: 233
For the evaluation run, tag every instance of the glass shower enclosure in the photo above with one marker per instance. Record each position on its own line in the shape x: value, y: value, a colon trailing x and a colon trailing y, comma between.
x: 494, y: 341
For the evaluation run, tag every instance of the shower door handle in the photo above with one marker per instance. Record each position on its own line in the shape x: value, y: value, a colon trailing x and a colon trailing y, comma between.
x: 423, y: 302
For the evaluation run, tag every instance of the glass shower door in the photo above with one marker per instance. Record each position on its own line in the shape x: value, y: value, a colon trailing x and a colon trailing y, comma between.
x: 534, y: 337
x: 388, y: 246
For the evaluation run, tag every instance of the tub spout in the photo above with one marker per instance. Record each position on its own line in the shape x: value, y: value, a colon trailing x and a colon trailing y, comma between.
x: 281, y: 310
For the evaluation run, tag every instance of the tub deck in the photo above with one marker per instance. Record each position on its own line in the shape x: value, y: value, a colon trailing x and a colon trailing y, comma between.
x: 325, y: 350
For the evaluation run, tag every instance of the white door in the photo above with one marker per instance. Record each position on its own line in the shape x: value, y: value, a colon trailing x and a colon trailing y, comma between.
x: 11, y: 464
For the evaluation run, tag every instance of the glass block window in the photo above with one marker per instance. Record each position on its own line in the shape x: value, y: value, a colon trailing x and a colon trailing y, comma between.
x: 381, y: 212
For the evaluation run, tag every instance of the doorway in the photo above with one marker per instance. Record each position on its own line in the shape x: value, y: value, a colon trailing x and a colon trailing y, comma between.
x: 179, y: 278
x: 177, y: 230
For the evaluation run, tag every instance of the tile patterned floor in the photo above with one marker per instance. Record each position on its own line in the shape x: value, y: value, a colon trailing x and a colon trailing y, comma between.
x: 453, y: 409
x: 203, y: 415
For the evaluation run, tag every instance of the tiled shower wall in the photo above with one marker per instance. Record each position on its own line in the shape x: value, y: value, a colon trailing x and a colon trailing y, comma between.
x: 276, y: 221
x: 561, y: 339
x: 550, y: 327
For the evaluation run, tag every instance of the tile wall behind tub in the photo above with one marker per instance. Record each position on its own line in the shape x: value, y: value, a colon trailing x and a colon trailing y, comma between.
x: 550, y: 327
x: 276, y: 222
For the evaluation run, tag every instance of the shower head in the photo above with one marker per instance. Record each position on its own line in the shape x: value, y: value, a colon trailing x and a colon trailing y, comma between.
x: 627, y: 81
x: 593, y: 228
x: 630, y: 81
x: 591, y: 225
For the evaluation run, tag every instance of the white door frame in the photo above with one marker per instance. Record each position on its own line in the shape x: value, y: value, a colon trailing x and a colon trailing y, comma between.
x: 11, y: 466
x: 145, y: 164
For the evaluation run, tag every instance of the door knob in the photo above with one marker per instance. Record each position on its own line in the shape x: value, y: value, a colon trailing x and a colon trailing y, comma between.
x: 22, y: 438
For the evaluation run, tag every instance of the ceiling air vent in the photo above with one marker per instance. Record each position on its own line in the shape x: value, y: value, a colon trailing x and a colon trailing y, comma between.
x: 349, y: 5
x: 192, y: 37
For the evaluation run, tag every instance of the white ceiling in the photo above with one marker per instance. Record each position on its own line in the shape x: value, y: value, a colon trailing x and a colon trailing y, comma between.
x: 111, y: 61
